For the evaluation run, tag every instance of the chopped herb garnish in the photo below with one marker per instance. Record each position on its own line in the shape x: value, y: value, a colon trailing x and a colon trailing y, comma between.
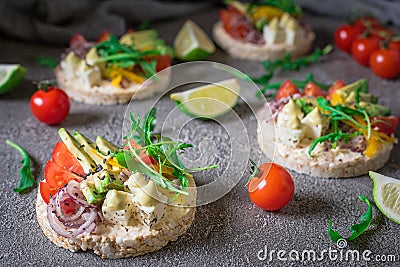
x: 356, y: 229
x: 162, y: 149
x: 27, y: 181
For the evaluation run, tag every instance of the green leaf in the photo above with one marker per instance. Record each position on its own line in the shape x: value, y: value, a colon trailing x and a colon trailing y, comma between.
x: 48, y: 62
x: 27, y: 181
x: 356, y: 229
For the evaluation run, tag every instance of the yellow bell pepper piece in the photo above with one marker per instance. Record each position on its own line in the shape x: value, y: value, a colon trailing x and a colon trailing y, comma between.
x: 266, y: 12
x: 116, y: 81
x: 336, y: 99
x: 372, y: 148
x: 132, y: 77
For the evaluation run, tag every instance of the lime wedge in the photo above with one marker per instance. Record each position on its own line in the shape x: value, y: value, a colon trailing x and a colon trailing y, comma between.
x: 10, y: 76
x: 386, y: 194
x: 208, y: 101
x: 191, y: 43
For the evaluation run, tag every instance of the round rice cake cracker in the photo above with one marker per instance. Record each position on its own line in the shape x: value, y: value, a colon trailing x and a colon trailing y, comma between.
x: 104, y: 93
x: 248, y: 51
x: 115, y: 241
x: 338, y: 163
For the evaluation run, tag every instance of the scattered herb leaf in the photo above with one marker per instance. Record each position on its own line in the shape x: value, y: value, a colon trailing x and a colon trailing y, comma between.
x: 48, y: 62
x: 356, y: 229
x: 27, y: 181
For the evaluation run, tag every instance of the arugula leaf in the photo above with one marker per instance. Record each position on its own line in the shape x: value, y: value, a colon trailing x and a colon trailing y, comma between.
x: 288, y: 6
x: 333, y: 138
x: 27, y: 181
x: 356, y: 229
x: 48, y: 62
x: 160, y: 148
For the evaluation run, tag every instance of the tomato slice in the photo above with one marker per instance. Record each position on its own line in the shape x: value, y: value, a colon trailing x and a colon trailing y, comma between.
x: 56, y: 176
x: 104, y: 36
x: 77, y: 41
x: 311, y: 89
x: 66, y: 160
x: 162, y: 61
x: 288, y: 88
x: 143, y: 154
x: 46, y: 191
x: 387, y: 125
x: 335, y: 86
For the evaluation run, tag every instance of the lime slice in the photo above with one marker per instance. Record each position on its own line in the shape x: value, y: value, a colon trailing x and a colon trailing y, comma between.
x: 208, y: 101
x: 386, y: 194
x: 10, y: 76
x: 191, y: 43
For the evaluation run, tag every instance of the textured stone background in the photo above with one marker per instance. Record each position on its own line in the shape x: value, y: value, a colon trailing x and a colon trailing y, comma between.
x: 227, y: 232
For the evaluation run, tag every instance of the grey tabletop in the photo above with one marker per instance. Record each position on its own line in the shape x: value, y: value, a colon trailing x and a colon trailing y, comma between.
x: 227, y: 232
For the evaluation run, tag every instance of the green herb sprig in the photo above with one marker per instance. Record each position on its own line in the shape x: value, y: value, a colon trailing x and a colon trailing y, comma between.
x: 340, y: 113
x: 124, y: 56
x: 162, y: 149
x: 288, y: 6
x: 287, y: 63
x: 356, y: 229
x: 27, y: 181
x: 47, y: 62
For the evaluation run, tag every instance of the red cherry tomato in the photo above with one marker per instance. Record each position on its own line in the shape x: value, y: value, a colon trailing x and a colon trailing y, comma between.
x: 345, y: 35
x: 46, y: 191
x: 288, y: 88
x: 394, y: 45
x: 335, y: 86
x: 162, y: 61
x: 311, y: 89
x: 385, y: 63
x: 51, y: 106
x: 273, y: 188
x: 367, y: 22
x: 66, y: 160
x: 362, y: 48
x: 387, y: 125
x: 104, y: 36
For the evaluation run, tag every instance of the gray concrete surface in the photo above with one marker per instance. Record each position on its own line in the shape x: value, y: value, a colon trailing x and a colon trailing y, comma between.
x: 228, y: 232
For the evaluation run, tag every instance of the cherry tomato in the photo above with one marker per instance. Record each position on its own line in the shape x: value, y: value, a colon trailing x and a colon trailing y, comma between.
x: 239, y: 26
x: 311, y: 89
x: 273, y: 188
x: 66, y: 160
x: 77, y: 41
x: 362, y: 48
x: 345, y: 35
x: 367, y: 22
x: 335, y: 86
x: 288, y: 88
x: 51, y: 106
x: 394, y: 45
x: 387, y: 125
x: 381, y: 33
x: 104, y: 36
x: 385, y: 63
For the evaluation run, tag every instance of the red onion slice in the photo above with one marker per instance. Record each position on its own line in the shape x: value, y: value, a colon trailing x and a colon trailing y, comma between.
x: 74, y: 191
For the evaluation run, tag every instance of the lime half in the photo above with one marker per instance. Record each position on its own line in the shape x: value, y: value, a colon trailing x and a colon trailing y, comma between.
x: 208, y: 101
x: 10, y: 76
x: 386, y: 194
x: 192, y: 43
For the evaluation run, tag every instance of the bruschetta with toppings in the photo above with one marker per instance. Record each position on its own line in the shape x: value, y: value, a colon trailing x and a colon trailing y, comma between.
x: 117, y: 201
x: 112, y: 71
x: 345, y: 133
x: 265, y: 31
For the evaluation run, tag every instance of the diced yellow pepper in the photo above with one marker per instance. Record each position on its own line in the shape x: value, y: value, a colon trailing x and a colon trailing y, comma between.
x: 116, y: 81
x: 372, y: 148
x: 132, y: 76
x: 266, y: 12
x: 336, y: 99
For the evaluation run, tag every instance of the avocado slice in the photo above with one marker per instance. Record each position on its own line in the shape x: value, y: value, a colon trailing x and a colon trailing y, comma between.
x: 364, y: 97
x: 139, y: 39
x: 74, y: 147
x: 105, y: 146
x: 106, y: 181
x: 90, y: 193
x: 375, y: 109
x: 90, y: 148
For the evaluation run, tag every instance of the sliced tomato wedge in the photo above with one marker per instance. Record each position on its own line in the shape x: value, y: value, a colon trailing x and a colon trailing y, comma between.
x: 77, y: 41
x: 335, y: 86
x: 311, y: 89
x: 46, y: 191
x: 387, y: 125
x: 66, y: 160
x: 57, y: 177
x: 162, y: 61
x: 143, y: 154
x: 288, y: 88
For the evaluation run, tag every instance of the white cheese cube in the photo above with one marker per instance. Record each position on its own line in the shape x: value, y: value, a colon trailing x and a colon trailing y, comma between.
x: 273, y: 34
x: 118, y: 208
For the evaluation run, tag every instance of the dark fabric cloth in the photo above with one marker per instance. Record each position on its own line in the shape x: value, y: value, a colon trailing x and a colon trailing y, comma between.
x: 55, y: 21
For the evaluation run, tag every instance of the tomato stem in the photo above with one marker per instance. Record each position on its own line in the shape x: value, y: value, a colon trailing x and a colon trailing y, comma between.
x: 254, y: 170
x: 44, y: 84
